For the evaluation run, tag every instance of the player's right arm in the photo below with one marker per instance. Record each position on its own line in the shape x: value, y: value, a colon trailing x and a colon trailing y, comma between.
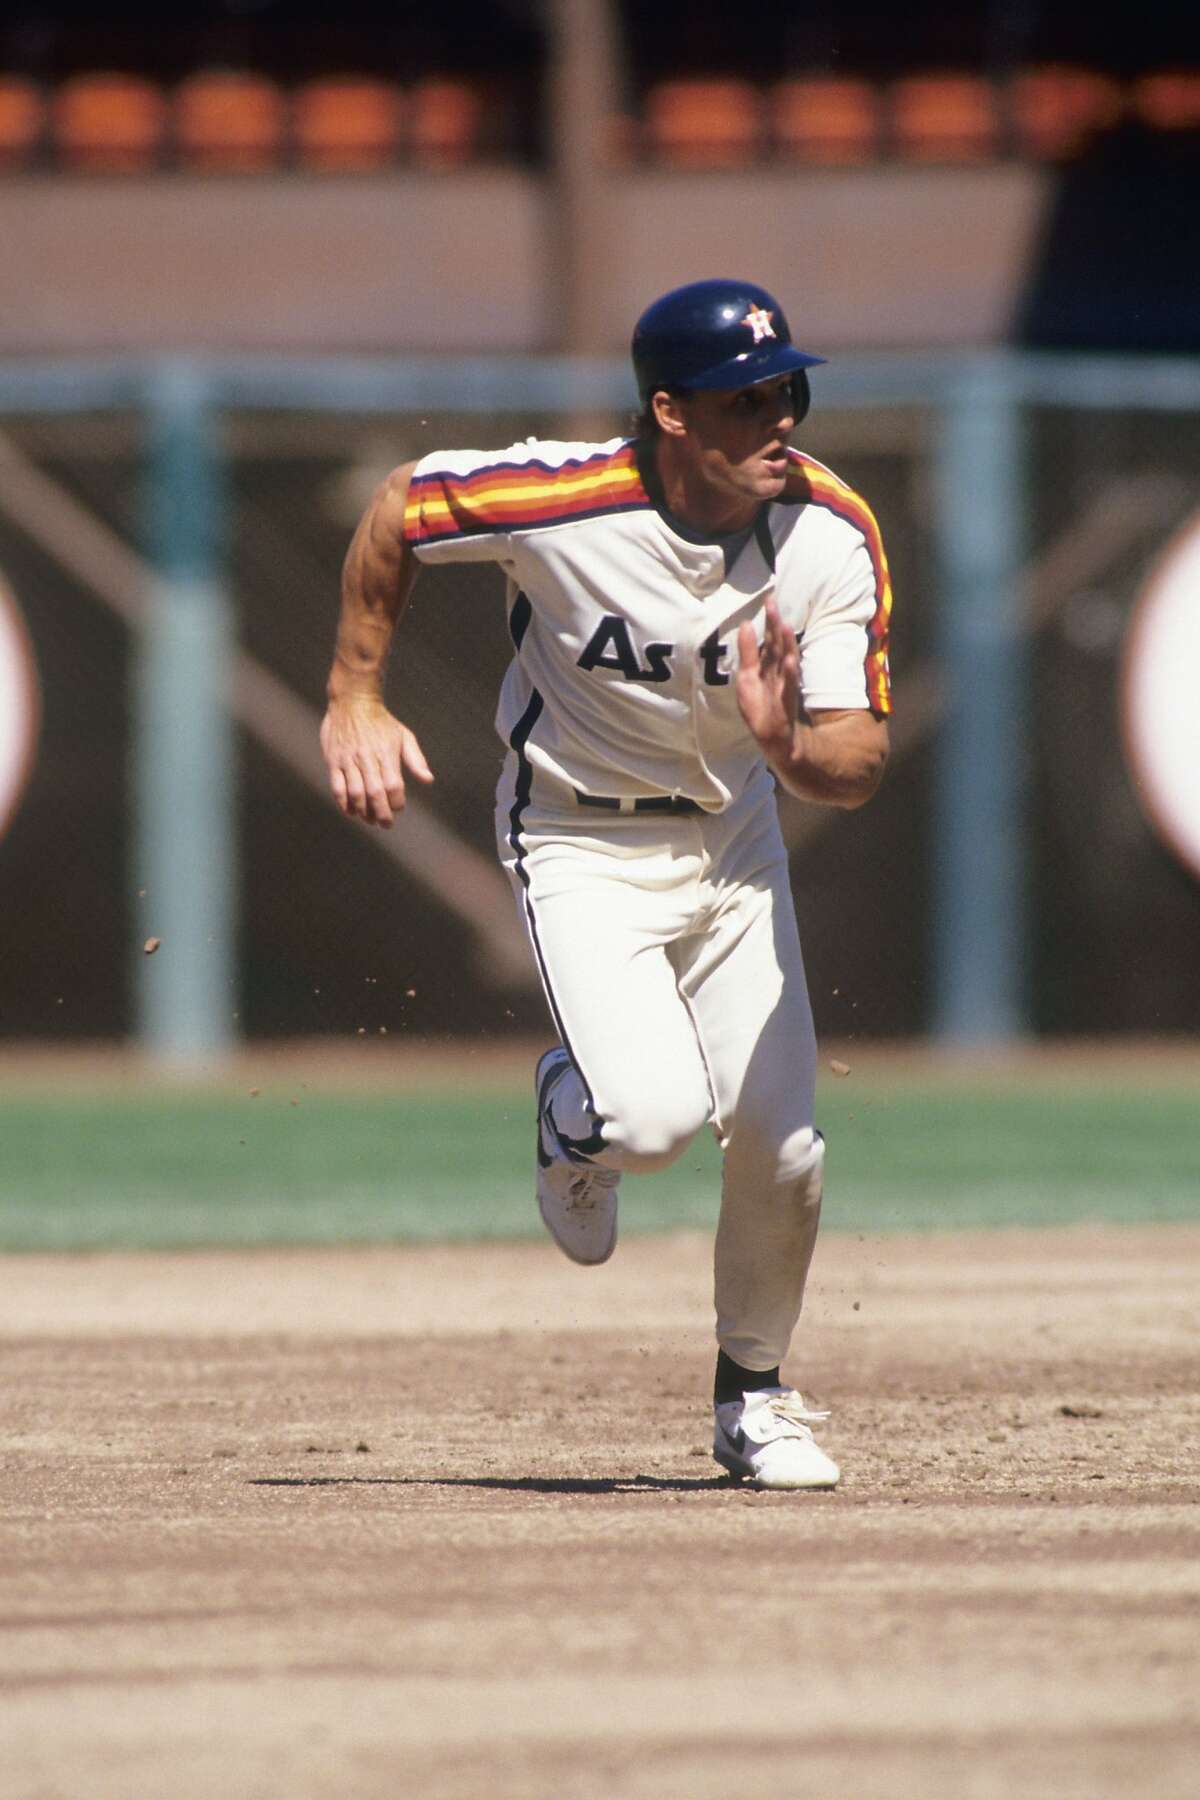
x: 367, y: 750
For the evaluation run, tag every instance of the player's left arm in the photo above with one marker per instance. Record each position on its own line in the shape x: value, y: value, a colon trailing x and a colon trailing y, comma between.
x: 836, y: 757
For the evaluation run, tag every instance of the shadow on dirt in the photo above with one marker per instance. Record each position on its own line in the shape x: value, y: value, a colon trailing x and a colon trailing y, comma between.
x: 521, y: 1484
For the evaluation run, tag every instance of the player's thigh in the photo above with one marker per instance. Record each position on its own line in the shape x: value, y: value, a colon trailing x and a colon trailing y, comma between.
x: 599, y: 926
x: 745, y: 983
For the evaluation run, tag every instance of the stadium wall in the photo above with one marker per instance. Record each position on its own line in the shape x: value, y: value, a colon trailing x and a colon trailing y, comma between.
x: 885, y: 258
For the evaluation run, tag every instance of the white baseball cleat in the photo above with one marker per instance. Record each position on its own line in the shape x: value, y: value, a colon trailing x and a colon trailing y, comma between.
x: 577, y: 1201
x: 765, y: 1437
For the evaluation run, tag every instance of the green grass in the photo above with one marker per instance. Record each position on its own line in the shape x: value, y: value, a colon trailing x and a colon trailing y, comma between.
x: 168, y: 1168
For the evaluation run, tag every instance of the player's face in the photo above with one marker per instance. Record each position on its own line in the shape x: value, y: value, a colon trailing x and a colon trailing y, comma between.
x: 736, y: 441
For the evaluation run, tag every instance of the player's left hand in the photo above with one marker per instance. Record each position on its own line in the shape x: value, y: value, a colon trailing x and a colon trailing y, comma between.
x: 768, y: 685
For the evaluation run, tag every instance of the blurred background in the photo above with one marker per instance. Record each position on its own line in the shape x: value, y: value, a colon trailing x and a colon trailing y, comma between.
x: 254, y: 257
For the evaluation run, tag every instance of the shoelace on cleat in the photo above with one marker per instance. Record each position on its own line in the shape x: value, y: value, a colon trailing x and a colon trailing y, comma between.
x: 582, y: 1190
x: 792, y: 1410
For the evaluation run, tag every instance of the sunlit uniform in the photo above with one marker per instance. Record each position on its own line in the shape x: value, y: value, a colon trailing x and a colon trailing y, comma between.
x: 637, y: 818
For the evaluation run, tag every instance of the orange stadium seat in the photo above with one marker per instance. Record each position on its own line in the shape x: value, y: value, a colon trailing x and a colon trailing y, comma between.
x: 22, y: 117
x: 230, y: 121
x: 1056, y: 110
x: 944, y: 118
x: 446, y: 118
x: 347, y: 123
x: 704, y: 124
x: 826, y: 119
x: 109, y: 124
x: 1169, y: 99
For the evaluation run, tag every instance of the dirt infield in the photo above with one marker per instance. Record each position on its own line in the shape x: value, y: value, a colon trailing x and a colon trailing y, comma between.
x: 443, y: 1523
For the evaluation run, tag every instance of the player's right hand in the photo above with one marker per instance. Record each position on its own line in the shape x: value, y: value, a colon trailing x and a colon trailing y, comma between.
x: 368, y: 751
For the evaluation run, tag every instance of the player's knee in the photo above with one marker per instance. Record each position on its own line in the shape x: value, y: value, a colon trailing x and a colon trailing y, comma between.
x: 783, y: 1156
x: 800, y: 1165
x: 653, y: 1135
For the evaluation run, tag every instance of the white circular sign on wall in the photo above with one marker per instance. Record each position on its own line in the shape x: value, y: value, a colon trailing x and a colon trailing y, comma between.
x: 1161, y: 697
x: 20, y: 706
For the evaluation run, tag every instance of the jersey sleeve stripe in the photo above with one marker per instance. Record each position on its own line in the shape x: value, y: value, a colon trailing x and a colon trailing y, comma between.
x: 811, y: 482
x: 519, y: 496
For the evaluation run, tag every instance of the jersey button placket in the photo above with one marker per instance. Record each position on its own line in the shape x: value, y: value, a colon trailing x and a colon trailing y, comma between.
x: 685, y: 670
x: 723, y: 606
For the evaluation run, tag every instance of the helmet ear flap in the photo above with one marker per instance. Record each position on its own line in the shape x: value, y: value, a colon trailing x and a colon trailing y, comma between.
x: 801, y: 395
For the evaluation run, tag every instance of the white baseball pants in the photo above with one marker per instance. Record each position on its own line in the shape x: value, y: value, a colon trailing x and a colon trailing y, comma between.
x: 668, y: 949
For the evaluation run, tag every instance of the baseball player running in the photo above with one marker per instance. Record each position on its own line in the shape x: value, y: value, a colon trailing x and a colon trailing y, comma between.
x: 697, y: 612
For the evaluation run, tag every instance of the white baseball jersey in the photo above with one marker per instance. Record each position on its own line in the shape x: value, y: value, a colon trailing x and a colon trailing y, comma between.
x: 624, y: 619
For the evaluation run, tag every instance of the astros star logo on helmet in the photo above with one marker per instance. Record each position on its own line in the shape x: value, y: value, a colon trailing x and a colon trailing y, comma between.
x: 759, y: 321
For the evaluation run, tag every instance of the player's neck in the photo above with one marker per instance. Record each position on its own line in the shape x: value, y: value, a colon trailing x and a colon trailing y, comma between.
x: 689, y: 496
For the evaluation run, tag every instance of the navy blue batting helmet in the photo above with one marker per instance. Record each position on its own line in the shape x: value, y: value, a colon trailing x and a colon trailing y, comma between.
x: 714, y: 334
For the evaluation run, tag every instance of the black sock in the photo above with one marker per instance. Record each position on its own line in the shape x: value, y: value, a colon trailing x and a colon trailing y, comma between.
x: 733, y: 1381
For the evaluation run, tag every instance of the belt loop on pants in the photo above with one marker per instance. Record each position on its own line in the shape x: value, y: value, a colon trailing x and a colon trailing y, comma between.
x: 664, y: 803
